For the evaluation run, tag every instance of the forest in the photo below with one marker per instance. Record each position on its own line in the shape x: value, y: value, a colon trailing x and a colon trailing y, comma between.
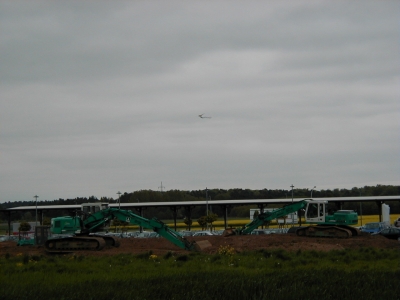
x: 218, y: 194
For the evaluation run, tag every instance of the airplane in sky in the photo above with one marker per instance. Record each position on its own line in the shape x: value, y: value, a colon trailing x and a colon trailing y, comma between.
x: 201, y: 116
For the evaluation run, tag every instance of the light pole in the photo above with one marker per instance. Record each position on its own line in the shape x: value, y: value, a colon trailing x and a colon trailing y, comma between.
x: 207, y: 206
x: 36, y: 196
x: 312, y: 190
x: 361, y: 209
x: 292, y: 186
x: 119, y: 199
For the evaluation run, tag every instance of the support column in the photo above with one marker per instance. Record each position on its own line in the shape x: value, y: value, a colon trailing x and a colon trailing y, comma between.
x: 9, y: 222
x: 261, y: 207
x: 173, y: 208
x: 226, y: 209
x: 299, y: 216
x: 140, y: 213
x: 188, y: 215
x: 40, y: 215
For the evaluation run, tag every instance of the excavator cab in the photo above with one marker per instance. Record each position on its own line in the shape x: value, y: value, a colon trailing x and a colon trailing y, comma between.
x: 65, y: 225
x: 88, y: 209
x: 315, y: 212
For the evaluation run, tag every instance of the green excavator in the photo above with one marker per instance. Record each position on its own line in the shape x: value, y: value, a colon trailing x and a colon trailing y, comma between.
x: 321, y: 223
x: 79, y: 232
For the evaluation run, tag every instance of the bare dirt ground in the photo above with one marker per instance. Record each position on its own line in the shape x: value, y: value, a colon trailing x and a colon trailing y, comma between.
x: 160, y: 246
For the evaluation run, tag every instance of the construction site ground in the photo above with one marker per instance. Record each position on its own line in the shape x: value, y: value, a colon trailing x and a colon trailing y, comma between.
x: 161, y: 246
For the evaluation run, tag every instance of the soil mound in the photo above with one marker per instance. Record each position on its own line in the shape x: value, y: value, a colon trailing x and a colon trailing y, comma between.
x: 161, y: 246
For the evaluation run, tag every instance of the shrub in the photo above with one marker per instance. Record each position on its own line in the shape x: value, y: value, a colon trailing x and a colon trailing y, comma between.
x: 226, y: 250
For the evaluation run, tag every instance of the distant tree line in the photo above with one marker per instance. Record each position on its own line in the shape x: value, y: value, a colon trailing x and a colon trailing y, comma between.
x: 216, y: 194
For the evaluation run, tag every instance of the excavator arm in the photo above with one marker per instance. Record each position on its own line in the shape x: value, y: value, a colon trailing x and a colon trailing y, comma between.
x: 266, y: 216
x: 99, y: 218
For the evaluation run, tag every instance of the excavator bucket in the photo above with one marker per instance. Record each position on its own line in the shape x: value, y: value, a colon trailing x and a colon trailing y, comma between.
x: 200, y: 245
x: 229, y: 232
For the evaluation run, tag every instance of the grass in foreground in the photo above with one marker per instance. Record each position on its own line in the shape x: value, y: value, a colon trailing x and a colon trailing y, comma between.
x: 349, y: 274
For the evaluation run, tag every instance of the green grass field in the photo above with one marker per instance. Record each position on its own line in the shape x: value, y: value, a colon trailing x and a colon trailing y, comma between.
x: 353, y: 274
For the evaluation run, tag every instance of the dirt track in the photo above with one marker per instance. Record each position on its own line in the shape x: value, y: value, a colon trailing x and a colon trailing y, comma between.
x: 160, y: 246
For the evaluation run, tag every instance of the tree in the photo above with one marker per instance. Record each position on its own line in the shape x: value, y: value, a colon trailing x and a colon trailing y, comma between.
x: 188, y: 222
x: 255, y: 215
x: 211, y: 217
x: 24, y: 227
x: 202, y: 222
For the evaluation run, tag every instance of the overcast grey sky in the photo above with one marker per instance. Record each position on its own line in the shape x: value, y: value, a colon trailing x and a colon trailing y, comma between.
x: 104, y: 96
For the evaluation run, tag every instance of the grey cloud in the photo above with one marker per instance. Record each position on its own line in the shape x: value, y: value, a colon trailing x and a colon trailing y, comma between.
x: 98, y: 96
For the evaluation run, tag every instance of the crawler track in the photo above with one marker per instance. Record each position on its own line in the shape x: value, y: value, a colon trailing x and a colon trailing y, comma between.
x: 328, y: 231
x: 70, y: 244
x: 109, y: 240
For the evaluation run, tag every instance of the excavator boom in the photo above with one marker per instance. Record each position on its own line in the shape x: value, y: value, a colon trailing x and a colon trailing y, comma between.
x: 266, y: 216
x: 102, y: 216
